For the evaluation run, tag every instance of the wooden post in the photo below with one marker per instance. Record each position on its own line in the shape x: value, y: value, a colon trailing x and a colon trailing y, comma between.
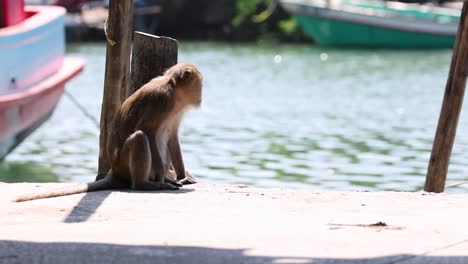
x: 119, y: 39
x: 151, y: 56
x: 450, y: 113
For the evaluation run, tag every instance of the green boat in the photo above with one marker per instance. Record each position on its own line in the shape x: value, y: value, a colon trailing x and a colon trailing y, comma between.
x: 382, y: 24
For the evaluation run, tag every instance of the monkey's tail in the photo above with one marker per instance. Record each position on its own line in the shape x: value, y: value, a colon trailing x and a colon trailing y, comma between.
x: 107, y: 183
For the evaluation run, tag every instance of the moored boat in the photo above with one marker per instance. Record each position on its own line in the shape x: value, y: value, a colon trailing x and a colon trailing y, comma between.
x: 33, y: 68
x: 364, y: 23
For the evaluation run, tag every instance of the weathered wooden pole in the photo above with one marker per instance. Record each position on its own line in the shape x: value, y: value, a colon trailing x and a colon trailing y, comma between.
x: 119, y: 40
x: 450, y: 113
x: 151, y: 56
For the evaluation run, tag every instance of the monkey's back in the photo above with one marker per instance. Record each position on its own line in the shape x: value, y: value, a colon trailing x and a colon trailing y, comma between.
x: 144, y: 110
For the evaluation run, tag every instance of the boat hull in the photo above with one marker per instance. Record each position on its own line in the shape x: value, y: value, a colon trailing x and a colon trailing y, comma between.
x: 22, y: 113
x: 10, y: 143
x: 346, y: 24
x: 340, y: 33
x: 33, y: 73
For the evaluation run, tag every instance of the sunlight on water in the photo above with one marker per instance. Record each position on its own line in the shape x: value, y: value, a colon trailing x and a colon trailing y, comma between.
x: 282, y: 116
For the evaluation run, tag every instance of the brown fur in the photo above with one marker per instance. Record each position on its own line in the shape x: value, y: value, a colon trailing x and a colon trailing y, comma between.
x: 143, y: 146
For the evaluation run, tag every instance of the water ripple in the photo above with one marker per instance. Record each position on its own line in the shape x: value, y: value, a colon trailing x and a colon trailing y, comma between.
x: 359, y: 120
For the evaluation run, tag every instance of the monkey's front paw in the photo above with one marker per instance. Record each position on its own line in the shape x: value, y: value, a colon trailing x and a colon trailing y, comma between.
x: 189, y: 179
x: 173, y: 182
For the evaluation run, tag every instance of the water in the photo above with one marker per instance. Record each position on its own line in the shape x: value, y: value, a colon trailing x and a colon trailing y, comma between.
x: 279, y: 116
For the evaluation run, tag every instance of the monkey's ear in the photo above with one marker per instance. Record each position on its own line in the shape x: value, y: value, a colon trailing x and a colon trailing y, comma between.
x: 184, y: 74
x: 180, y: 73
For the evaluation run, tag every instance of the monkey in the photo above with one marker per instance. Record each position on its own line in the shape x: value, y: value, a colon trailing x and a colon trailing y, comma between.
x: 143, y: 147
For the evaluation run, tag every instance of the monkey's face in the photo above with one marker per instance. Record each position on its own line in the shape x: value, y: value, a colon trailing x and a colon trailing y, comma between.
x: 191, y: 93
x: 188, y: 81
x: 197, y: 91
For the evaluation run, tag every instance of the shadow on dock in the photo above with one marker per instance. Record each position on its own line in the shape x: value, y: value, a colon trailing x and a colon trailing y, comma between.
x: 88, y: 205
x: 30, y: 252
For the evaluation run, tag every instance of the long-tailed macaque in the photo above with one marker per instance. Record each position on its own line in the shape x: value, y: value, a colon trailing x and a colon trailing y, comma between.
x: 143, y: 146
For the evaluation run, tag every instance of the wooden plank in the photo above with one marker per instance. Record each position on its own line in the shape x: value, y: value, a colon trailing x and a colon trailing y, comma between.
x: 450, y: 113
x: 119, y: 39
x: 151, y: 57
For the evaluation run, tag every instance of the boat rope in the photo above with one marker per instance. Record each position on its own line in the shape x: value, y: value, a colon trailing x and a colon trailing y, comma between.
x: 457, y: 184
x: 267, y: 13
x: 82, y: 109
x: 111, y: 42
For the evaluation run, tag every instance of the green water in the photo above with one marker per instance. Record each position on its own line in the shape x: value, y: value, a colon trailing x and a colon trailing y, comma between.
x: 279, y: 116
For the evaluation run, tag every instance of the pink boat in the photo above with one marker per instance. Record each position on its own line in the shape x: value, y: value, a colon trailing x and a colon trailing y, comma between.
x: 33, y: 68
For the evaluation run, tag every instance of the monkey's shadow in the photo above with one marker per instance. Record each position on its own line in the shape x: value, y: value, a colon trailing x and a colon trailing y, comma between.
x: 88, y: 205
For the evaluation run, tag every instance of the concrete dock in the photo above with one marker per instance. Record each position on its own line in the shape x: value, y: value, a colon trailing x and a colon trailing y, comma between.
x: 211, y: 223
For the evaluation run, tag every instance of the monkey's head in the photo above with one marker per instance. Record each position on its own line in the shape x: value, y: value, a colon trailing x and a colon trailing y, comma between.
x: 187, y: 81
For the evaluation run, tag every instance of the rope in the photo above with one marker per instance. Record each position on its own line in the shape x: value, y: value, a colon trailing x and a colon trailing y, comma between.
x: 457, y: 184
x: 111, y: 42
x: 82, y: 109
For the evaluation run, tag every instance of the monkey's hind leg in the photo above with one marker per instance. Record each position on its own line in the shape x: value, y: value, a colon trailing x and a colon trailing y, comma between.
x: 136, y: 151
